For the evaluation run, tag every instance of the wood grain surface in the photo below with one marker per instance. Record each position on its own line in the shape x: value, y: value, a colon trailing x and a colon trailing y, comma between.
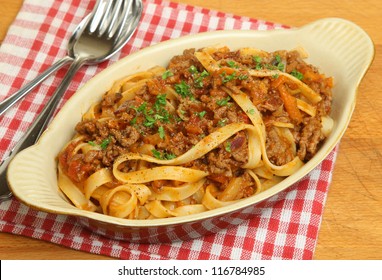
x: 352, y: 221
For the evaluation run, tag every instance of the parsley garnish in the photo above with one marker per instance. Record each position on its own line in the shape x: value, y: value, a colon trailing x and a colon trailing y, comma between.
x: 224, y: 101
x: 279, y: 65
x: 243, y: 77
x: 204, y: 74
x: 251, y: 111
x: 258, y: 61
x: 161, y: 113
x: 156, y: 154
x: 198, y: 82
x: 227, y: 146
x: 92, y: 143
x: 167, y: 74
x: 157, y: 113
x: 133, y: 121
x: 193, y: 69
x: 161, y: 132
x: 222, y: 122
x: 183, y: 89
x: 201, y: 114
x: 198, y: 77
x: 105, y: 143
x: 169, y: 156
x: 297, y: 74
x: 232, y: 64
x: 142, y: 108
x: 164, y: 156
x: 160, y: 101
x: 227, y: 78
x: 149, y: 121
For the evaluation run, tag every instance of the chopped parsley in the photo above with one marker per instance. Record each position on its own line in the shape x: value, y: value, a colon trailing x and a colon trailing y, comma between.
x: 105, y: 142
x: 161, y: 132
x: 160, y: 102
x: 279, y: 64
x: 224, y: 101
x: 198, y: 82
x: 142, y: 108
x: 222, y: 122
x: 164, y: 156
x: 149, y: 121
x: 201, y: 114
x: 169, y: 156
x: 251, y: 111
x: 232, y: 64
x: 242, y: 77
x: 92, y: 143
x: 228, y: 78
x: 193, y: 69
x: 183, y: 89
x: 204, y: 74
x: 258, y: 61
x: 152, y: 115
x: 227, y: 146
x: 156, y: 154
x: 133, y: 121
x: 166, y: 74
x: 276, y: 64
x: 297, y: 74
x: 198, y: 77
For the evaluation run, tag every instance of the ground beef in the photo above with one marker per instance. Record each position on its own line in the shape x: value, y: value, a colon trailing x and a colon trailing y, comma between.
x: 278, y: 148
x: 310, y: 138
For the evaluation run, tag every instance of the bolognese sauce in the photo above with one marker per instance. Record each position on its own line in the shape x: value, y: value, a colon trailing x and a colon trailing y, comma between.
x: 230, y: 123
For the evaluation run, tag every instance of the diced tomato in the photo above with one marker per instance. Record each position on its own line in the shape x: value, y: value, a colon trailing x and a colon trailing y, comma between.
x: 244, y: 118
x: 237, y: 143
x: 64, y: 155
x: 329, y: 82
x: 155, y: 86
x: 74, y: 170
x: 225, y: 70
x: 220, y: 178
x: 290, y: 104
x: 157, y: 185
x: 193, y: 126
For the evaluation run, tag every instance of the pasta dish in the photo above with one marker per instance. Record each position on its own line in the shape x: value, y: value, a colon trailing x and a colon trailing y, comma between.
x: 213, y: 127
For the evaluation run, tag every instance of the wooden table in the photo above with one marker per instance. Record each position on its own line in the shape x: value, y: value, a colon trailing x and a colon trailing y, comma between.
x: 352, y: 221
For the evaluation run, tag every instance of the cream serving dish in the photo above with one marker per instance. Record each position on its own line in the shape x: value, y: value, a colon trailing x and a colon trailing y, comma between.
x: 338, y: 47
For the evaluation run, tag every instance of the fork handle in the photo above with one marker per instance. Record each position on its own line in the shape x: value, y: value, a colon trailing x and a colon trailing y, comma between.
x: 11, y: 100
x: 37, y: 127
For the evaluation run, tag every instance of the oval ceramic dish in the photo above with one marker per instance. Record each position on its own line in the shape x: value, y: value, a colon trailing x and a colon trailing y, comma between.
x: 338, y: 47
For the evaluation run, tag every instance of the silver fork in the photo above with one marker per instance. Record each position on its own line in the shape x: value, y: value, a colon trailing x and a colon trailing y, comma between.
x: 100, y: 40
x: 8, y: 102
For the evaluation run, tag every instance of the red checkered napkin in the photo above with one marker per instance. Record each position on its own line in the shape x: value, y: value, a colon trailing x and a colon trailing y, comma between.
x: 287, y: 225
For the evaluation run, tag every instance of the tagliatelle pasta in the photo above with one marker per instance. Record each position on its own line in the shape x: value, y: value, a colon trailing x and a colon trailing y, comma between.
x: 213, y: 127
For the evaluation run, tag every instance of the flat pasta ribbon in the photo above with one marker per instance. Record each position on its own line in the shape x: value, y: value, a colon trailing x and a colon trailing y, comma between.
x: 245, y: 103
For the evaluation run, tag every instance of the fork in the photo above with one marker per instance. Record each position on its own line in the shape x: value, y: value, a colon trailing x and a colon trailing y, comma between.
x: 8, y: 102
x: 100, y: 41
